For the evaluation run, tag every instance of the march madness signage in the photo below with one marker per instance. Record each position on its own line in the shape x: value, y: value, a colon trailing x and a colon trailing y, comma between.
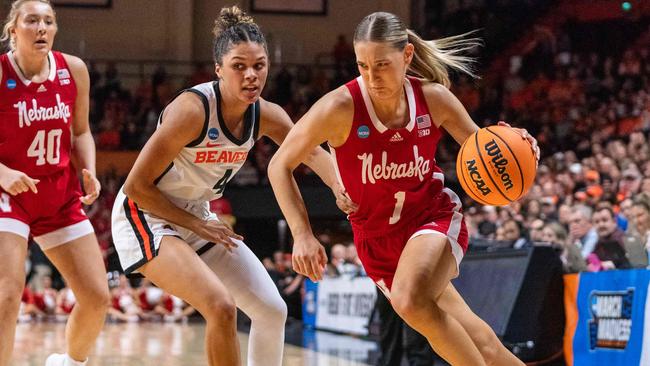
x: 611, y: 319
x: 339, y: 304
x: 608, y: 318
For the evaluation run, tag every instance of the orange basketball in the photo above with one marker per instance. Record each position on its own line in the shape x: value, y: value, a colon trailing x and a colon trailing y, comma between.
x: 496, y: 165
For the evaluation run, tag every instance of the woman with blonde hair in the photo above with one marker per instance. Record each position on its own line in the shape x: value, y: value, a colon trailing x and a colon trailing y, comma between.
x: 383, y: 129
x: 555, y: 234
x: 44, y: 128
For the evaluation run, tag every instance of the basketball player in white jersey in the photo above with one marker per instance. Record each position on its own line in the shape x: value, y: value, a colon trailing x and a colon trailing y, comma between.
x: 162, y: 226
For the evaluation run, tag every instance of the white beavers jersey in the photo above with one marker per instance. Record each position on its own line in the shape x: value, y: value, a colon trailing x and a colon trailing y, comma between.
x: 203, y: 168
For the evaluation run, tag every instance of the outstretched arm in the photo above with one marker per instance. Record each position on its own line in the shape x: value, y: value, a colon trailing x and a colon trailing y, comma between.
x: 83, y: 145
x: 182, y: 122
x: 276, y: 124
x: 328, y: 120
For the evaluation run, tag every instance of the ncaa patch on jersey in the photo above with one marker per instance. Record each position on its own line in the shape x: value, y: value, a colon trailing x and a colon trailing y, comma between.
x: 213, y: 133
x: 11, y: 84
x: 363, y: 132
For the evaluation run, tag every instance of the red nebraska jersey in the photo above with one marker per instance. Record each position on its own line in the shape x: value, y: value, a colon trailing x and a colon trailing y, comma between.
x: 36, y: 118
x: 391, y: 173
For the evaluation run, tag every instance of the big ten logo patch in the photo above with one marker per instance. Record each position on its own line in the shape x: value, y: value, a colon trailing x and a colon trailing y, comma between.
x: 611, y: 318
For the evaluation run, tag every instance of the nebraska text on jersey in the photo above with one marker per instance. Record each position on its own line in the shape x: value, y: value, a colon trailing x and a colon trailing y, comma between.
x: 369, y: 172
x: 36, y: 113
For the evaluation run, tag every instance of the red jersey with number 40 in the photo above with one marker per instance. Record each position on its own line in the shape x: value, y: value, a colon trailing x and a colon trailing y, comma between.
x: 36, y: 118
x: 391, y: 173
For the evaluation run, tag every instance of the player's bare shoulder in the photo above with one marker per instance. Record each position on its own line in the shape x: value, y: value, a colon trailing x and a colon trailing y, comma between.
x: 333, y: 115
x: 340, y: 103
x: 76, y: 65
x: 438, y: 98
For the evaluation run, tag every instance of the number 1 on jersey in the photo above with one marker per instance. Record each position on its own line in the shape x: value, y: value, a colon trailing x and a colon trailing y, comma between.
x: 397, y: 212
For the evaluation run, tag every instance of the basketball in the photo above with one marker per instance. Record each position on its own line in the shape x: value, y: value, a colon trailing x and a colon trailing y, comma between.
x: 496, y: 165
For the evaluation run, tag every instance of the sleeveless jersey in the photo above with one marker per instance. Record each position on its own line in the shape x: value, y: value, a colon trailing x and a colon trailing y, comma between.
x: 203, y: 168
x: 390, y: 173
x: 36, y: 118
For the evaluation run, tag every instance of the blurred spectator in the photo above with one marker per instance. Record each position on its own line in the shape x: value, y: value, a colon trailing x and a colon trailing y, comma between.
x: 123, y: 304
x: 537, y: 231
x: 609, y: 248
x: 65, y: 302
x: 581, y: 232
x: 512, y: 233
x: 45, y: 298
x: 353, y: 267
x: 637, y: 243
x: 570, y: 255
x: 337, y: 261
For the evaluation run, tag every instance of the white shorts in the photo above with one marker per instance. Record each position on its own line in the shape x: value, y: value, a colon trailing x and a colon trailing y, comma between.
x: 137, y: 234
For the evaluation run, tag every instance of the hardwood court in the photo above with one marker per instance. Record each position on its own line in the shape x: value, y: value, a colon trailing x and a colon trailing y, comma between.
x: 148, y: 344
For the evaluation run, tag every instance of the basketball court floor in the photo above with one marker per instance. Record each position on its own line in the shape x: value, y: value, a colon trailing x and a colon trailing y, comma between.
x: 160, y: 344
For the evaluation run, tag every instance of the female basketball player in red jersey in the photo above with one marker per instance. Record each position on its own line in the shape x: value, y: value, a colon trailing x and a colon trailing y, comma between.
x: 43, y: 126
x: 383, y: 129
x: 162, y: 226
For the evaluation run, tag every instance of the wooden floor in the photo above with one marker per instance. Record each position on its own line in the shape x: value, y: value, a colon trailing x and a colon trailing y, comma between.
x: 150, y: 344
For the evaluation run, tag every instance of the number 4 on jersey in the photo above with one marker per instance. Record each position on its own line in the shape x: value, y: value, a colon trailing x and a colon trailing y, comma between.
x: 221, y: 184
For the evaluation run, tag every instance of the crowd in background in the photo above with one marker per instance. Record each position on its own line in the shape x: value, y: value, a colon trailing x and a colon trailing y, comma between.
x: 589, y: 110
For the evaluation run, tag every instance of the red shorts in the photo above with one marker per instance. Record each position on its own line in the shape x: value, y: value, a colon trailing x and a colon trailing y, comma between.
x: 380, y: 251
x: 53, y: 216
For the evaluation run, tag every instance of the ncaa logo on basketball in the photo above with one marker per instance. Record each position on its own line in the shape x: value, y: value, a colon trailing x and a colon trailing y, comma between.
x: 363, y: 132
x: 611, y: 323
x: 11, y: 84
x: 476, y: 177
x: 213, y: 133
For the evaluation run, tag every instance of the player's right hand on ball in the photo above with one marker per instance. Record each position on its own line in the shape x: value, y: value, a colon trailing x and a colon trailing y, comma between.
x: 15, y: 182
x: 218, y: 233
x: 309, y: 258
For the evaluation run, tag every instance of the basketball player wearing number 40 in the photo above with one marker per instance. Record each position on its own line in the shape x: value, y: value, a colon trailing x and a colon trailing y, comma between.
x: 44, y: 116
x: 161, y: 223
x: 383, y: 128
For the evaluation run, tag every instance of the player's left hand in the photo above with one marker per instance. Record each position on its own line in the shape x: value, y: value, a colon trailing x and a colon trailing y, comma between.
x: 91, y: 187
x: 343, y: 202
x: 524, y: 133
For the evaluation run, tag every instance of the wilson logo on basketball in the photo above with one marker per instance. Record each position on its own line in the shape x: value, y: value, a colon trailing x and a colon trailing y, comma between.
x: 476, y: 178
x: 500, y: 163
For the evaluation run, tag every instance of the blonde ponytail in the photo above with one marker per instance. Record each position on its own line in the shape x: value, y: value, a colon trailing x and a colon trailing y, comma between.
x: 433, y: 59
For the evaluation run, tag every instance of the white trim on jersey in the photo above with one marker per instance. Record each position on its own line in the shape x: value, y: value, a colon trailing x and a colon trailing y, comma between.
x: 453, y: 231
x: 336, y: 169
x: 22, y: 77
x: 14, y: 226
x: 408, y: 88
x: 64, y: 235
